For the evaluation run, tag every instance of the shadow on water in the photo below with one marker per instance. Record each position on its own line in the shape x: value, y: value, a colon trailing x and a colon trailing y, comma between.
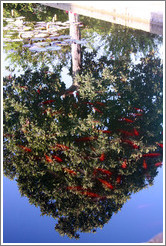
x: 79, y: 154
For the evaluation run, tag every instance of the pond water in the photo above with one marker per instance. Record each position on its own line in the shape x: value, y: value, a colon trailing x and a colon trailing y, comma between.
x: 83, y: 130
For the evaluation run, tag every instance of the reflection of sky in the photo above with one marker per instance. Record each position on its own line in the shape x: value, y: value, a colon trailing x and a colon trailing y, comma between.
x: 64, y: 73
x: 138, y: 221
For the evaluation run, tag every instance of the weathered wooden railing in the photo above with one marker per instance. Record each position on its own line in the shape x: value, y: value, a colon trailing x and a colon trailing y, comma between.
x: 142, y: 15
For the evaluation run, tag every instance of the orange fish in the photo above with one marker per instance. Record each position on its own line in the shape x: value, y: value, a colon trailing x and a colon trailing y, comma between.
x: 57, y: 158
x: 25, y: 148
x: 61, y: 146
x: 107, y: 184
x: 24, y: 87
x: 134, y: 146
x: 69, y: 92
x: 158, y: 164
x: 85, y: 192
x: 47, y: 110
x: 100, y: 103
x: 138, y: 109
x: 8, y: 135
x: 48, y: 102
x: 124, y: 164
x: 105, y: 131
x: 84, y: 139
x: 70, y: 171
x: 151, y: 155
x: 118, y: 179
x: 102, y: 157
x: 126, y: 119
x: 96, y: 109
x: 160, y: 144
x: 91, y: 194
x: 103, y: 171
x: 135, y: 114
x: 136, y: 133
x: 77, y: 188
x: 144, y: 164
x: 48, y: 159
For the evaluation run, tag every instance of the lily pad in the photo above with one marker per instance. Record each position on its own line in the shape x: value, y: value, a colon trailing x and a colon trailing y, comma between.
x: 53, y: 48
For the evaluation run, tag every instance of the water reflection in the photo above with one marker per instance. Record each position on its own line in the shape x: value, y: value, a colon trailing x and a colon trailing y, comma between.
x: 79, y: 154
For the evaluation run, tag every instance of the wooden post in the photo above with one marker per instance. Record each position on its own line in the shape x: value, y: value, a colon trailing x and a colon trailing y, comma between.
x: 75, y: 48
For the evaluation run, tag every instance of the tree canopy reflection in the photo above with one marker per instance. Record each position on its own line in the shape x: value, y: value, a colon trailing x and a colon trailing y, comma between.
x: 80, y: 155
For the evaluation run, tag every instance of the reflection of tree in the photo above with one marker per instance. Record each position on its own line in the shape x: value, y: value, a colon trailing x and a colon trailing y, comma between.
x: 24, y: 58
x: 80, y: 157
x: 33, y: 11
x: 117, y: 40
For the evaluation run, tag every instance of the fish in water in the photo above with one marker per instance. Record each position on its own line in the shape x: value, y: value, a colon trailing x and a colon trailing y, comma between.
x: 97, y: 110
x: 47, y: 102
x: 138, y: 109
x: 25, y: 148
x: 151, y: 155
x: 48, y: 159
x: 8, y: 135
x: 135, y: 114
x: 75, y: 188
x: 91, y: 194
x: 145, y: 164
x: 85, y: 139
x: 134, y: 146
x: 23, y: 87
x: 124, y: 164
x: 70, y: 171
x: 118, y: 179
x: 100, y: 103
x: 158, y: 164
x: 62, y: 147
x: 106, y: 184
x: 105, y: 131
x: 84, y: 191
x: 69, y: 93
x: 102, y: 157
x: 126, y: 119
x: 103, y: 171
x: 126, y: 133
x: 160, y: 144
x: 136, y: 133
x: 57, y: 158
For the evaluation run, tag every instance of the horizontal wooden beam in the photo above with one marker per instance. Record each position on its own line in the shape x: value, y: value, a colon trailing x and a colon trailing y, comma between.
x: 142, y: 15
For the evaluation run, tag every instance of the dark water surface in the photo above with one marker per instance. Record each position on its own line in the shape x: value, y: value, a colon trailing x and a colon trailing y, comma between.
x: 83, y: 132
